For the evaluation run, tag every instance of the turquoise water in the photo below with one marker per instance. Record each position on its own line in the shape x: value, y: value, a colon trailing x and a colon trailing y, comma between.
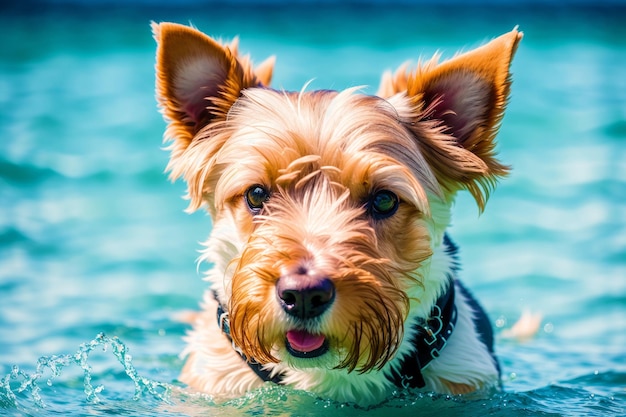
x: 97, y: 256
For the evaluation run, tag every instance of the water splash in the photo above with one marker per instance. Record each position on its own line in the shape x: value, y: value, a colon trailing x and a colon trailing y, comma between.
x: 56, y: 363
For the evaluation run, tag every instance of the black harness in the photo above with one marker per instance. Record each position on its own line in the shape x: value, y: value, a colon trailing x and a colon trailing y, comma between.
x: 429, y: 337
x: 428, y: 340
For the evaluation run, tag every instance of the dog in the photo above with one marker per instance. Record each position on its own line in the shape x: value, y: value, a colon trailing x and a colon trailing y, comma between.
x: 331, y: 269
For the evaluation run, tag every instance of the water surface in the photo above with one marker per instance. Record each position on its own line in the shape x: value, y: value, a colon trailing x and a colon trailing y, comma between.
x: 97, y: 256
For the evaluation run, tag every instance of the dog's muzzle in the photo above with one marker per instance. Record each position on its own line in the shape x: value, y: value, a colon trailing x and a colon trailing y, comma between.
x: 304, y: 298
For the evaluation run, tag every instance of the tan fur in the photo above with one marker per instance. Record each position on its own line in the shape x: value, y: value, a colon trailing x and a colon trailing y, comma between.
x: 458, y: 389
x: 322, y: 155
x: 179, y: 45
x: 465, y: 158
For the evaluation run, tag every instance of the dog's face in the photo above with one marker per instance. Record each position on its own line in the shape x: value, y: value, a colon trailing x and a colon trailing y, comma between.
x: 327, y: 206
x: 326, y: 197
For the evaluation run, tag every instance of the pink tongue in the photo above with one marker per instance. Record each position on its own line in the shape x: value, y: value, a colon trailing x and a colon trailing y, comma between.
x: 304, y: 341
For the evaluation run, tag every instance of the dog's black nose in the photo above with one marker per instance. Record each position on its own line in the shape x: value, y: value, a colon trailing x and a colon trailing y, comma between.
x: 304, y: 298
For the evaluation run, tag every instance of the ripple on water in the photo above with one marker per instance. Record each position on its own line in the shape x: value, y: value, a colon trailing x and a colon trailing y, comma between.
x: 59, y: 378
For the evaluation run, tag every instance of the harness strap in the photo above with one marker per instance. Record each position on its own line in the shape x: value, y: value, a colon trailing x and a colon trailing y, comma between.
x: 428, y: 340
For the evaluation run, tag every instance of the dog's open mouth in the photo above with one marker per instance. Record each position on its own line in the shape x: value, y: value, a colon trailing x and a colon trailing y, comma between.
x: 303, y: 344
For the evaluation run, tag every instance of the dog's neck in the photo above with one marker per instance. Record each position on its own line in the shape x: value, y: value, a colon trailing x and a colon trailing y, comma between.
x: 429, y: 338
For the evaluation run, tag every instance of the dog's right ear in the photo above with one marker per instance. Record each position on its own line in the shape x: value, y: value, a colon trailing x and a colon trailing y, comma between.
x: 199, y: 79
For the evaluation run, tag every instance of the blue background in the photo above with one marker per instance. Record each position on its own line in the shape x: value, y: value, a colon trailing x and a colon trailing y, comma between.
x: 93, y: 238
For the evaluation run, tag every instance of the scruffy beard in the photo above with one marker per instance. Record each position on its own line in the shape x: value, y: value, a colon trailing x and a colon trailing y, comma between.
x: 365, y: 325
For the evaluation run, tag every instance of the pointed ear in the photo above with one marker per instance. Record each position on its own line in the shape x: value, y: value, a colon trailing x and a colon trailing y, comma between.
x: 199, y: 79
x: 461, y: 103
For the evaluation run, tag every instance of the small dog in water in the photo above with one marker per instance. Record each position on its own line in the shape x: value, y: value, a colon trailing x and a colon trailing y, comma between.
x: 331, y: 268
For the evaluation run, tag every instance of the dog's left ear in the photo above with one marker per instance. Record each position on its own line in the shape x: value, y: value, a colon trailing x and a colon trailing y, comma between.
x: 459, y: 105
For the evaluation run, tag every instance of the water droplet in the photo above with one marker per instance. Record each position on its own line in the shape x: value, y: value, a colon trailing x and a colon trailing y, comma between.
x: 548, y: 328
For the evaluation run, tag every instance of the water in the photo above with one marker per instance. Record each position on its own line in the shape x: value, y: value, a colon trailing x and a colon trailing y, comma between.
x: 97, y: 257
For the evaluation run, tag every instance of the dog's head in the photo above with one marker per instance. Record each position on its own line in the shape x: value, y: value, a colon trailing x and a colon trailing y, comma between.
x: 327, y: 206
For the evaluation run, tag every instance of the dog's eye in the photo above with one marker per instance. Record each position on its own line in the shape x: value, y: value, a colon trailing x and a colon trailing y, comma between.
x: 383, y: 204
x: 256, y: 196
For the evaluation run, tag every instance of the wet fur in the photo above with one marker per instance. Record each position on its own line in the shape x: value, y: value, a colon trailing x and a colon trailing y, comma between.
x: 428, y: 133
